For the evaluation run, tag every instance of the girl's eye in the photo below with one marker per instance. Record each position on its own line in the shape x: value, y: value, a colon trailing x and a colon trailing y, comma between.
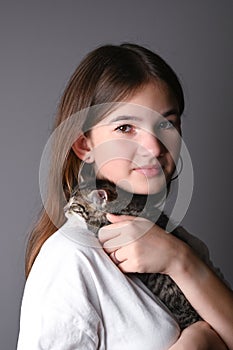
x: 166, y: 125
x: 125, y: 128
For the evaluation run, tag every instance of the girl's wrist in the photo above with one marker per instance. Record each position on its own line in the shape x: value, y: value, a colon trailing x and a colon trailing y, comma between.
x: 180, y: 259
x: 187, y: 264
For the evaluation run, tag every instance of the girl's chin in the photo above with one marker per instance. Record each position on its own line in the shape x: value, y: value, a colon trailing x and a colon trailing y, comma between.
x: 144, y: 189
x: 141, y: 185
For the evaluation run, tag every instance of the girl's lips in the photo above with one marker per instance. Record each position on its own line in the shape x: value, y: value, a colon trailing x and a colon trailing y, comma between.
x: 149, y: 171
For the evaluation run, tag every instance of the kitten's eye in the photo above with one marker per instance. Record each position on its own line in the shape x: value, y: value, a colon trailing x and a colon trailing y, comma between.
x: 167, y: 124
x: 125, y: 129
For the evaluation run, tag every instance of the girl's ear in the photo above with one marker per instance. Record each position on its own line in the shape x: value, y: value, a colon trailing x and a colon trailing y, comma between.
x: 82, y: 149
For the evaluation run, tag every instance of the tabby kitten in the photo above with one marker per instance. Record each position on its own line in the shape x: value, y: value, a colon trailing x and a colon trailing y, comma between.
x: 93, y: 199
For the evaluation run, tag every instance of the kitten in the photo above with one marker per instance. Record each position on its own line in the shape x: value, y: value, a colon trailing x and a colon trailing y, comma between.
x: 93, y: 199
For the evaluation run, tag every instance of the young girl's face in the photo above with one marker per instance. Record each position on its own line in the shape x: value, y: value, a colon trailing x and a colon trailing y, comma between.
x: 137, y: 145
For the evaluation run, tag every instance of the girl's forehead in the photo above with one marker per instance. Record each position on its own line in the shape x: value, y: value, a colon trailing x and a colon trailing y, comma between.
x: 148, y: 103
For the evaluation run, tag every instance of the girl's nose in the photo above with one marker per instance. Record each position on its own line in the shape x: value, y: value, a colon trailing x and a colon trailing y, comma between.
x: 149, y: 143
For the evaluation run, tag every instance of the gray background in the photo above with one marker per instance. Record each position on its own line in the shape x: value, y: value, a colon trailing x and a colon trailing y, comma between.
x: 41, y: 43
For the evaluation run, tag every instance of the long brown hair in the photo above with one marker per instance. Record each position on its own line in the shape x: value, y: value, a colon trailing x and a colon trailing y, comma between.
x: 110, y: 73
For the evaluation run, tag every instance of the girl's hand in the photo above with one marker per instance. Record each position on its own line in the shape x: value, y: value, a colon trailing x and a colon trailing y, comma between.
x: 199, y: 336
x: 138, y: 245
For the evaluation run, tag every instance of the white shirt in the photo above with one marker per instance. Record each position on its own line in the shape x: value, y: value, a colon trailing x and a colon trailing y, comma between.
x: 76, y: 298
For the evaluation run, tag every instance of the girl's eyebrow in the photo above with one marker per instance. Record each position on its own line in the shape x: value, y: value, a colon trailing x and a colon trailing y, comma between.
x: 171, y: 112
x: 125, y: 117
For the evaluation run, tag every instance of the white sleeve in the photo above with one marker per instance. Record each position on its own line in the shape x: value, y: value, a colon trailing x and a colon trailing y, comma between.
x: 58, y: 336
x: 56, y: 321
x: 57, y: 311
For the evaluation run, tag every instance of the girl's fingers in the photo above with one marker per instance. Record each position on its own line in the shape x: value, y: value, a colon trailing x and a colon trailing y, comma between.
x: 122, y: 233
x: 126, y: 266
x: 105, y: 234
x: 125, y: 260
x: 113, y: 230
x: 114, y: 257
x: 110, y: 232
x: 113, y: 244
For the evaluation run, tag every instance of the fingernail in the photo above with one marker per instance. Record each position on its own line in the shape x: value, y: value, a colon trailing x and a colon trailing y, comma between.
x: 108, y: 216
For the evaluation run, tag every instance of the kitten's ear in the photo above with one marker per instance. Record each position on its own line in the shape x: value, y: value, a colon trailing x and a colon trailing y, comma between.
x: 82, y: 149
x: 98, y: 197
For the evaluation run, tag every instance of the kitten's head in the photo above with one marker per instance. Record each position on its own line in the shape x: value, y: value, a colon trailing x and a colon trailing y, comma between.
x: 90, y: 201
x: 87, y: 201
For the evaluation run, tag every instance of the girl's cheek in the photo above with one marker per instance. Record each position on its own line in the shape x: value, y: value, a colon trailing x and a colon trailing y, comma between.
x: 114, y: 150
x: 173, y: 144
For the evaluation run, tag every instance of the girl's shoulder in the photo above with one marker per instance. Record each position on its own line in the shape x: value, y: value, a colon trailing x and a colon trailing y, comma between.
x: 61, y: 272
x: 67, y: 249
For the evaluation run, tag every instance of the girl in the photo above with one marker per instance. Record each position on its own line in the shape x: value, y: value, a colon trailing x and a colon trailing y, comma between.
x: 77, y: 294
